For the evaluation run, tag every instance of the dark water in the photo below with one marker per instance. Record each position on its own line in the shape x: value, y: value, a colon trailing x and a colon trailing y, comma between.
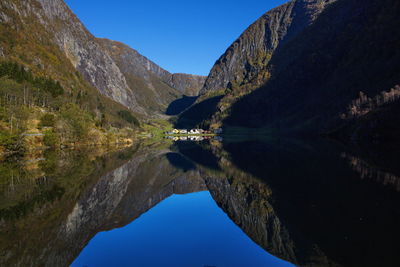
x: 232, y: 203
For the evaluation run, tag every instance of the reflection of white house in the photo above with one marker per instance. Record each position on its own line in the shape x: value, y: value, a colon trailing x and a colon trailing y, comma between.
x: 195, y: 131
x: 190, y: 132
x: 179, y: 131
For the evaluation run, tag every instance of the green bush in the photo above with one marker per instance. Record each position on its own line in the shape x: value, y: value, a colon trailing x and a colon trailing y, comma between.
x: 47, y: 120
x: 127, y: 116
x: 78, y: 119
x: 50, y: 139
x: 11, y: 142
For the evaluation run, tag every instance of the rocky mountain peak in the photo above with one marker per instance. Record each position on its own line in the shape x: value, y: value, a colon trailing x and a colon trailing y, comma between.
x: 252, y: 51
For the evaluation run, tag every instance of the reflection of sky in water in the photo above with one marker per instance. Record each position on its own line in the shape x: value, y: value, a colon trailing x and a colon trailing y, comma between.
x: 183, y: 230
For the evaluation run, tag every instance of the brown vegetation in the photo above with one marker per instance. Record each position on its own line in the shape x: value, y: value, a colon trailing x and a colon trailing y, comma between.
x: 364, y: 104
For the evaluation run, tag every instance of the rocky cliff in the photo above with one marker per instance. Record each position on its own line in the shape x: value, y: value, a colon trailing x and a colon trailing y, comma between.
x: 351, y: 47
x: 83, y: 50
x: 154, y: 87
x: 253, y: 50
x: 188, y: 84
x: 298, y: 69
x: 131, y: 62
x: 124, y: 76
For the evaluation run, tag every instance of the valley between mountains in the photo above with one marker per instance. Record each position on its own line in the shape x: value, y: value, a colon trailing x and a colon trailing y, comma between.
x: 305, y: 68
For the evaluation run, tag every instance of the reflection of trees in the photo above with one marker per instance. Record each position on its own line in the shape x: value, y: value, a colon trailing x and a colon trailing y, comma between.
x: 366, y: 171
x: 99, y: 191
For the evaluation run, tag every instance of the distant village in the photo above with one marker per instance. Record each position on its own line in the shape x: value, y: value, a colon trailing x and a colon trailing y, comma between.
x: 195, y: 138
x: 193, y: 132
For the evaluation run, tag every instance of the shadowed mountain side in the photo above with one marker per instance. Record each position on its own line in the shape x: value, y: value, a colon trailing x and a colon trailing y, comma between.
x: 251, y: 52
x: 194, y: 115
x: 113, y: 200
x: 351, y: 47
x: 376, y: 132
x: 176, y: 107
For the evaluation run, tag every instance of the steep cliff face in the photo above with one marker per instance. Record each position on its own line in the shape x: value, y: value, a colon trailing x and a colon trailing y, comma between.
x: 154, y: 87
x: 351, y: 47
x: 114, y: 69
x: 253, y: 49
x: 83, y: 50
x: 131, y: 62
x: 39, y: 24
x: 300, y: 66
x: 188, y: 84
x: 143, y: 77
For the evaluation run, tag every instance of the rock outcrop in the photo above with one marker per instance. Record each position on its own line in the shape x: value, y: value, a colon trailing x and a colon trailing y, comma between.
x: 252, y: 51
x: 298, y: 68
x: 83, y: 50
x: 124, y: 75
x: 188, y: 84
x: 131, y: 62
x: 154, y: 87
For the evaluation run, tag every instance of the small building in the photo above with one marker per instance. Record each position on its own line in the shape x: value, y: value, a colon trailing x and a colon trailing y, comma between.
x: 195, y: 131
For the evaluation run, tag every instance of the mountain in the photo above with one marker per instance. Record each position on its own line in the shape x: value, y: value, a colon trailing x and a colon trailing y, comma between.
x: 301, y: 67
x: 252, y: 51
x: 31, y: 27
x: 244, y: 63
x: 154, y: 87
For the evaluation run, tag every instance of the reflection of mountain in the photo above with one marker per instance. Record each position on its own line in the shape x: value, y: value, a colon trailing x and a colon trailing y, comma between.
x: 249, y: 203
x: 303, y: 203
x: 113, y: 200
x: 299, y: 201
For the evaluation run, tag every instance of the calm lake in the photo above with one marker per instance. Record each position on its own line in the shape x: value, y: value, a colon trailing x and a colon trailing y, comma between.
x: 236, y: 202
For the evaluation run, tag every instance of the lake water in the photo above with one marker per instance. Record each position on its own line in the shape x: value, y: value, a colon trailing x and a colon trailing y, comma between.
x: 223, y: 203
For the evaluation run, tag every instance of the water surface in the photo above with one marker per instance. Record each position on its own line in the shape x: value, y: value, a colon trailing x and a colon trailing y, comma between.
x: 183, y: 230
x: 232, y: 202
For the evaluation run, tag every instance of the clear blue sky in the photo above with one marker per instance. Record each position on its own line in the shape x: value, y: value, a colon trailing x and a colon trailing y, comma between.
x: 179, y: 35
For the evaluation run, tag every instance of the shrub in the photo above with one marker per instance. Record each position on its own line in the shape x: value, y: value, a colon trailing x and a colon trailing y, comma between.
x: 48, y: 120
x: 11, y: 142
x: 50, y: 139
x: 78, y: 119
x: 127, y: 116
